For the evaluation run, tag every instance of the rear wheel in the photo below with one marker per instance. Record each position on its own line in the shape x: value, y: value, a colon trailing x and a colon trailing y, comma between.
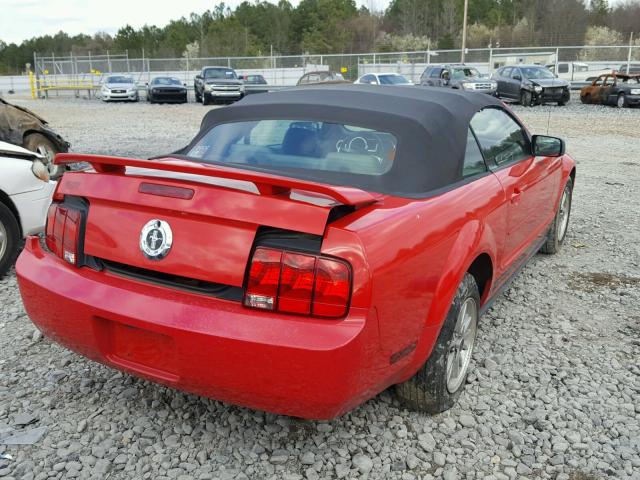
x: 440, y: 381
x: 559, y: 226
x: 621, y: 101
x: 586, y: 98
x: 526, y: 99
x: 9, y: 239
x: 36, y: 142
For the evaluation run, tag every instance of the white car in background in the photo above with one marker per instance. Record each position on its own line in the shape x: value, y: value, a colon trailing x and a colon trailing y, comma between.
x: 386, y: 78
x: 25, y: 196
x: 119, y: 87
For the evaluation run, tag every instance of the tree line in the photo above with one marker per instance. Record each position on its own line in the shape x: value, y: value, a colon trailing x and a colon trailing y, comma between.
x: 339, y: 26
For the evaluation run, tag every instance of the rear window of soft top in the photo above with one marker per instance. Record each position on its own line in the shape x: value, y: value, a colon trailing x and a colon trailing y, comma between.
x: 299, y: 144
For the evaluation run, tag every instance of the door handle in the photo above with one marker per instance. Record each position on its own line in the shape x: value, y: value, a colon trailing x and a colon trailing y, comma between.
x: 515, y: 195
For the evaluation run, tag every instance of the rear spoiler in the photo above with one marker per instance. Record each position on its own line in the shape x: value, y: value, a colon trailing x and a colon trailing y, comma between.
x: 266, y: 184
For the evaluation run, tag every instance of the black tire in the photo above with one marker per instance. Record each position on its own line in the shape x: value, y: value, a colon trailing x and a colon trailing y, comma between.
x: 557, y: 233
x: 585, y: 99
x: 621, y: 101
x: 198, y: 96
x: 36, y: 142
x: 205, y: 100
x: 526, y: 98
x: 9, y: 239
x: 427, y: 390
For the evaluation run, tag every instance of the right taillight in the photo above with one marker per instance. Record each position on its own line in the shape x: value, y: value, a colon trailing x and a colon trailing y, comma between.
x: 293, y: 282
x: 63, y: 232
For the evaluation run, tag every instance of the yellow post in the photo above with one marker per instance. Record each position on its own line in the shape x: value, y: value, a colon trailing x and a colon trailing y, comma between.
x: 32, y: 84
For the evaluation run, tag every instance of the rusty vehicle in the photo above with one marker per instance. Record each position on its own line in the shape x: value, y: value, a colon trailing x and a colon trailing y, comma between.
x: 613, y: 88
x: 20, y: 126
x: 326, y: 77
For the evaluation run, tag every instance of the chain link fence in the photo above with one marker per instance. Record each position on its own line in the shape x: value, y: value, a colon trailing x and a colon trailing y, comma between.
x: 282, y: 71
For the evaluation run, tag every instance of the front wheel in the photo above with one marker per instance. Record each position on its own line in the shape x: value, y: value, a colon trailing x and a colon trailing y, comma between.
x: 438, y: 384
x: 585, y: 99
x: 36, y: 142
x: 558, y: 230
x: 9, y: 239
x: 526, y: 99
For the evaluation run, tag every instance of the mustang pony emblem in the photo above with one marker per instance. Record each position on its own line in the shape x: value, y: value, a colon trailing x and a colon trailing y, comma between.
x: 156, y: 238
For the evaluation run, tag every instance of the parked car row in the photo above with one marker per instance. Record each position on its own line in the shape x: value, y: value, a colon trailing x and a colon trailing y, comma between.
x: 210, y: 85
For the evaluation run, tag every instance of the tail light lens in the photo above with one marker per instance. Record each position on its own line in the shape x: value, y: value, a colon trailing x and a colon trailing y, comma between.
x: 63, y: 232
x: 299, y: 283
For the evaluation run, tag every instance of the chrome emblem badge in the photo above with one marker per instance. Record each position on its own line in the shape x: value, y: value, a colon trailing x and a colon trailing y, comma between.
x: 156, y: 238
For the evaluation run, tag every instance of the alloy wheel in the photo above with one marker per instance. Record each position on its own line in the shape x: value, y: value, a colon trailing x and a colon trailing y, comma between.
x: 3, y: 240
x: 461, y: 345
x: 565, y: 206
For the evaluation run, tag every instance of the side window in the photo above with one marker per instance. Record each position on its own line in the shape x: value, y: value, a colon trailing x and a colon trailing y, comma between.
x: 501, y: 138
x: 506, y: 72
x: 435, y: 73
x: 369, y: 79
x: 515, y: 72
x: 563, y: 68
x: 426, y: 72
x: 473, y: 160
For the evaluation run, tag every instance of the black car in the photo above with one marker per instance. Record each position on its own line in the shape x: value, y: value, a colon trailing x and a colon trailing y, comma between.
x: 531, y: 85
x: 166, y: 90
x: 461, y: 77
x: 254, y: 83
x: 24, y: 128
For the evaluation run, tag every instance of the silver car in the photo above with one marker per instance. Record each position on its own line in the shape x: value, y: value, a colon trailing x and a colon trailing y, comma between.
x: 119, y: 87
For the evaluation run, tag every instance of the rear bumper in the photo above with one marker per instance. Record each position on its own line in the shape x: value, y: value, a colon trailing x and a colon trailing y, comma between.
x: 633, y: 99
x: 285, y: 364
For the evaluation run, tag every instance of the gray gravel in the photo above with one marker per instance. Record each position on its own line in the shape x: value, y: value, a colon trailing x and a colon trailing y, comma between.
x: 553, y: 394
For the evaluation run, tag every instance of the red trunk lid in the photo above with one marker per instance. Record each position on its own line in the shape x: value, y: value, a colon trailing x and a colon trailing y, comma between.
x: 213, y: 230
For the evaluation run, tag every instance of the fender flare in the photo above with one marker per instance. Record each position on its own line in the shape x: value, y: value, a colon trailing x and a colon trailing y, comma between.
x: 474, y: 239
x: 56, y: 141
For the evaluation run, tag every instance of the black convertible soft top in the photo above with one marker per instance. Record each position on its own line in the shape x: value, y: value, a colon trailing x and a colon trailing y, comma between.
x: 431, y: 125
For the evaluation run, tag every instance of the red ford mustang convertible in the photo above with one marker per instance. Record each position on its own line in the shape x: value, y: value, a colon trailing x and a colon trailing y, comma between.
x: 308, y: 249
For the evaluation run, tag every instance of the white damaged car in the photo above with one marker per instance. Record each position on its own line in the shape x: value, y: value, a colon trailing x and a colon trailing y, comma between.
x: 25, y: 196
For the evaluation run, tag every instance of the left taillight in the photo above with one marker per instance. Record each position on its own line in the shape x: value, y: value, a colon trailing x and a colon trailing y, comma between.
x: 293, y: 282
x: 63, y: 232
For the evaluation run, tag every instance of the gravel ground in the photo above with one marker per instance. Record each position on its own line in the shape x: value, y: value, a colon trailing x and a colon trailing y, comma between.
x: 553, y: 394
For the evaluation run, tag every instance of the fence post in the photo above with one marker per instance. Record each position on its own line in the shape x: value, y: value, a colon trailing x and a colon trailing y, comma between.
x: 490, y: 60
x: 186, y: 78
x: 629, y: 55
x: 557, y: 60
x: 108, y: 61
x: 35, y: 69
x: 128, y: 66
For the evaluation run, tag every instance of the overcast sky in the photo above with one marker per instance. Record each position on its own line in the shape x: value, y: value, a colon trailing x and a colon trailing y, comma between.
x: 22, y: 19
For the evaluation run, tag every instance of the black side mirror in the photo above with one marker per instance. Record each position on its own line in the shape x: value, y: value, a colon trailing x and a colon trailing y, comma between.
x: 517, y: 77
x: 545, y: 146
x: 199, y: 77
